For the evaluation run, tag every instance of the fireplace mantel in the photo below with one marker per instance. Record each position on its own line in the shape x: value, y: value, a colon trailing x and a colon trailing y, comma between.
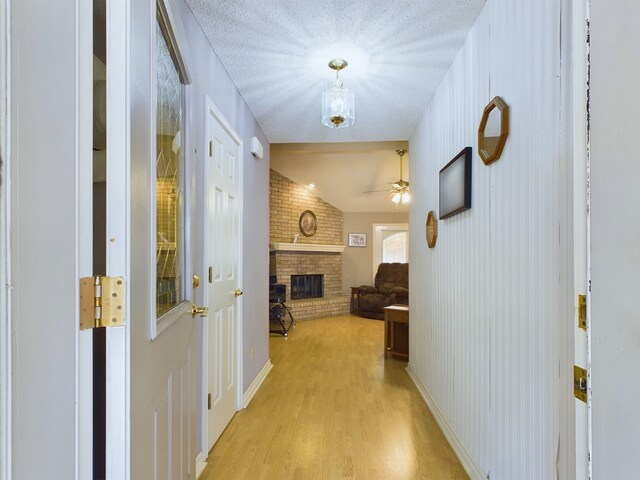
x: 304, y: 247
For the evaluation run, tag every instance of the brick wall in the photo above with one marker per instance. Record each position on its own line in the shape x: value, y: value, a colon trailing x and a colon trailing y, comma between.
x: 287, y: 201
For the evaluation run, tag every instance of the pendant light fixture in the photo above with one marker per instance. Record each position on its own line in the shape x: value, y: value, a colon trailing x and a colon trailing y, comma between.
x: 338, y: 105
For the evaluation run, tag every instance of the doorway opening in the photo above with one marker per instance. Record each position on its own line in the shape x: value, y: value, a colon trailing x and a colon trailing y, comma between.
x: 99, y: 227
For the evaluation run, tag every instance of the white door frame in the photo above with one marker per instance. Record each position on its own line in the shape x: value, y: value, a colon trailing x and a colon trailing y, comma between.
x: 576, y: 128
x: 210, y: 107
x: 118, y: 446
x: 5, y: 257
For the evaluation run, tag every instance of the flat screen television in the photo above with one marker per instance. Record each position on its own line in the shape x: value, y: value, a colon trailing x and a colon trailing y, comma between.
x: 455, y: 185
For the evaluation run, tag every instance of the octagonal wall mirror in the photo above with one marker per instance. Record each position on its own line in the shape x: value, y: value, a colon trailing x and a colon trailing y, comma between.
x: 493, y: 130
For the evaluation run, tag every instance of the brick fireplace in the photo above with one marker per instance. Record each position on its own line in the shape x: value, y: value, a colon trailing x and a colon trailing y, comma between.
x: 320, y: 254
x: 287, y: 260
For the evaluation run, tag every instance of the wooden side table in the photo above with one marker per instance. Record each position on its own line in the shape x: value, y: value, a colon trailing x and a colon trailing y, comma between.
x: 396, y: 342
x: 354, y: 300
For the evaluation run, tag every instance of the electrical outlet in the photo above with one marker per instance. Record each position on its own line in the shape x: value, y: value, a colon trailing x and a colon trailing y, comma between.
x: 253, y: 352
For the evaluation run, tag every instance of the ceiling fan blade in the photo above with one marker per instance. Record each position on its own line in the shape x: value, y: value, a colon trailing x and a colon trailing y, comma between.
x: 376, y: 191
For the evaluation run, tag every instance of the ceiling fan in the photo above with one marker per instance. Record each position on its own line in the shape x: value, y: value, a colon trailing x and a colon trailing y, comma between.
x: 399, y: 191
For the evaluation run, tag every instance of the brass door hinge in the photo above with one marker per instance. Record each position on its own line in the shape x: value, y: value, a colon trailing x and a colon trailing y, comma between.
x: 580, y: 383
x: 582, y: 312
x: 101, y: 302
x: 211, y: 148
x: 209, y: 402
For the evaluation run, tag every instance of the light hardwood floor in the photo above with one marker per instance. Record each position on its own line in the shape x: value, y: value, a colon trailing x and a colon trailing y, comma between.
x: 333, y: 408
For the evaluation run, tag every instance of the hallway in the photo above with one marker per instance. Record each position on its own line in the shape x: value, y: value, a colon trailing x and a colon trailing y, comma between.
x: 333, y: 408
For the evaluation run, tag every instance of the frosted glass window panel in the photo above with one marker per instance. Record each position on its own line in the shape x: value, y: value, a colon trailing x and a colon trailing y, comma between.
x: 169, y: 178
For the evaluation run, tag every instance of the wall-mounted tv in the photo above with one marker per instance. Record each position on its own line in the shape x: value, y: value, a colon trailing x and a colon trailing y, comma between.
x: 455, y: 185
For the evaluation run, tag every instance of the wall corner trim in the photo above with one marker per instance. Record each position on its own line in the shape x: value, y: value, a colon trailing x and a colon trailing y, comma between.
x: 257, y: 382
x: 471, y: 467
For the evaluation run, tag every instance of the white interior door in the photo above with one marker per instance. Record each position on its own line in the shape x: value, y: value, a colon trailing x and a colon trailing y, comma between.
x: 614, y: 232
x: 160, y: 392
x: 223, y: 250
x: 49, y: 190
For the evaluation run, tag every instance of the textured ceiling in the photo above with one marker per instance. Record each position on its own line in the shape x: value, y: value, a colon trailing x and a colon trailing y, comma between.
x: 341, y: 172
x: 277, y: 53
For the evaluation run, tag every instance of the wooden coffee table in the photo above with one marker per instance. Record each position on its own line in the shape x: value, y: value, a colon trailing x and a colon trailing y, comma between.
x: 396, y: 342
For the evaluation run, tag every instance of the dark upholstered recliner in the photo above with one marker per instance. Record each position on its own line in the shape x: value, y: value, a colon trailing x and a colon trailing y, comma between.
x: 391, y: 287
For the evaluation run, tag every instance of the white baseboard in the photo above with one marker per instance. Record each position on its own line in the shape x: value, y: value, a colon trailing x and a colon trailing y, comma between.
x: 257, y: 382
x: 471, y: 467
x: 201, y: 463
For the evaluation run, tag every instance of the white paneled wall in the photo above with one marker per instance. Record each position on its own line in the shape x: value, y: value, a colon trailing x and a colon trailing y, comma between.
x: 487, y: 302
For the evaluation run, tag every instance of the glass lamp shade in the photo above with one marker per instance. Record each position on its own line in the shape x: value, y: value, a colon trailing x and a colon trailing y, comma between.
x: 338, y: 106
x: 404, y: 197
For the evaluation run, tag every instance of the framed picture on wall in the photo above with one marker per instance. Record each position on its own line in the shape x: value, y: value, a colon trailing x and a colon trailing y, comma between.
x: 308, y: 223
x: 455, y: 185
x: 357, y: 239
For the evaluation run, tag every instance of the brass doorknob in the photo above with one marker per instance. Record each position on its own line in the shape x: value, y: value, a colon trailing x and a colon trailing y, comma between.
x: 237, y: 292
x: 202, y: 311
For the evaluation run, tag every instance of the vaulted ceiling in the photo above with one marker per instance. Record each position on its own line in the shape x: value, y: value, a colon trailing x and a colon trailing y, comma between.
x: 341, y: 172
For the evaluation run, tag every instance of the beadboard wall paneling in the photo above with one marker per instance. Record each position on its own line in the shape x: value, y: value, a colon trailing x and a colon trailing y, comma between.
x: 485, y: 325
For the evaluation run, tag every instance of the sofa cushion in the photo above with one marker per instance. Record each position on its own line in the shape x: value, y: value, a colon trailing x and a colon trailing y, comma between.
x: 367, y: 289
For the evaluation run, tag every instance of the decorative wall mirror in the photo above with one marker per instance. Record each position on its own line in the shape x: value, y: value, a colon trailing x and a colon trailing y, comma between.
x: 493, y: 130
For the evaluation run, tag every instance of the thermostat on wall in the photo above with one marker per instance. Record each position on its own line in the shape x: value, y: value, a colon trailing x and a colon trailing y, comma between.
x: 256, y: 148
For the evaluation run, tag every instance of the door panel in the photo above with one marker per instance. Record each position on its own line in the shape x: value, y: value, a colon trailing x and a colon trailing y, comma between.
x: 614, y: 232
x: 161, y: 436
x: 222, y: 256
x: 162, y: 375
x: 51, y: 237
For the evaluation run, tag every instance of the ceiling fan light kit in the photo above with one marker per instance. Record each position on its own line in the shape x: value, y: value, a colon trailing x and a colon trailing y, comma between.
x: 338, y: 103
x: 400, y: 191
